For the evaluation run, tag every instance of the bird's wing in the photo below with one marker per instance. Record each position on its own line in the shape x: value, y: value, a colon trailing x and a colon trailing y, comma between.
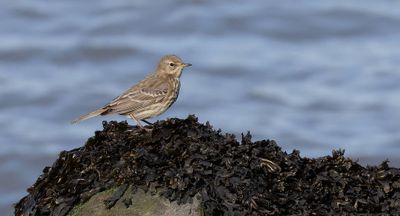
x: 147, y: 92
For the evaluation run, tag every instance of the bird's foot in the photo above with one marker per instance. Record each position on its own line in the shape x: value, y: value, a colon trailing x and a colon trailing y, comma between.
x: 146, y: 129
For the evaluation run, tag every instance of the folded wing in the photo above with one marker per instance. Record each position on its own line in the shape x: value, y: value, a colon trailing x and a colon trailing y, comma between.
x: 138, y: 97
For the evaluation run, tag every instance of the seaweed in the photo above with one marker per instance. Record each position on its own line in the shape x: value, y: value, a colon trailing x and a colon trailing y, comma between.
x: 180, y: 158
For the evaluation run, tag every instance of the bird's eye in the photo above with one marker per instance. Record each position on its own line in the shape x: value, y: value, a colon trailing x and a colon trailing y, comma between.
x: 171, y: 64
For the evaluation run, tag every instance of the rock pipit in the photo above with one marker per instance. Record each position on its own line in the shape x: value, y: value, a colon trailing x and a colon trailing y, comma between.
x: 148, y: 98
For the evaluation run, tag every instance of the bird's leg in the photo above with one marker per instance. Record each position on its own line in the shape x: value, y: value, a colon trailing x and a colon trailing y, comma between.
x: 147, y: 122
x: 138, y: 122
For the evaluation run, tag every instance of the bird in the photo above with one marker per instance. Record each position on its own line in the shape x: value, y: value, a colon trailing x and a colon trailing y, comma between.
x: 150, y: 97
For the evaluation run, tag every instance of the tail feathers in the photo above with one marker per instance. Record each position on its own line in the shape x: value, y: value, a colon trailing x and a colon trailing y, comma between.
x: 89, y: 115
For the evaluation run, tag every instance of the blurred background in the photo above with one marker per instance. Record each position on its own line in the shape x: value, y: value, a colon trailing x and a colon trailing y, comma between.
x: 313, y: 75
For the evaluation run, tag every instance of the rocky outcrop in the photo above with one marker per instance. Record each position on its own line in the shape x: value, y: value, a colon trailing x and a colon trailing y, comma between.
x: 183, y: 165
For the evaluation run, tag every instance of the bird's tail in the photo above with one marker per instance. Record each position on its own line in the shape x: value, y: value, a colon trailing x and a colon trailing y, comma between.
x: 89, y: 115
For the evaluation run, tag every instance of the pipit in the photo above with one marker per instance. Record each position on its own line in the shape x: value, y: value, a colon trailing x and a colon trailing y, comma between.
x: 148, y: 98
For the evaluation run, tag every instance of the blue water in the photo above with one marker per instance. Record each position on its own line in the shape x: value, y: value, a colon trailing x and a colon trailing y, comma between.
x: 313, y: 75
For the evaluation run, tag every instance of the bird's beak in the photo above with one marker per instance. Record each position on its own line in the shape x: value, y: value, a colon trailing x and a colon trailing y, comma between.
x: 187, y: 64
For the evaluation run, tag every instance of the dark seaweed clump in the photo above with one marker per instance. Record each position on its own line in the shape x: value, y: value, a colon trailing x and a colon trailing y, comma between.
x: 182, y: 158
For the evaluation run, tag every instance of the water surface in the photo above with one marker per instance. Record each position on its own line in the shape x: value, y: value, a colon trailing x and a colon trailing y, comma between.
x: 315, y: 76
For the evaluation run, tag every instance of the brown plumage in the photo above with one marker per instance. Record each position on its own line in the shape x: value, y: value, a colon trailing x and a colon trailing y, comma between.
x: 150, y: 97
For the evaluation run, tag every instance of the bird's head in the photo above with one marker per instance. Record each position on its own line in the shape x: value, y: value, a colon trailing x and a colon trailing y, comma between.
x: 171, y: 65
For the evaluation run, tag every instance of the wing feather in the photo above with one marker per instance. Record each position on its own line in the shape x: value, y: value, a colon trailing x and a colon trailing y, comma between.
x: 149, y: 91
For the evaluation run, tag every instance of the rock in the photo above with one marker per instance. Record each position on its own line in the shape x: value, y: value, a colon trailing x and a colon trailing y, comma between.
x: 188, y: 163
x: 135, y: 203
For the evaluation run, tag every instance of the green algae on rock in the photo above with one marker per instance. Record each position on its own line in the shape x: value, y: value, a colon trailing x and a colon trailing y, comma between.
x: 183, y: 160
x: 135, y: 203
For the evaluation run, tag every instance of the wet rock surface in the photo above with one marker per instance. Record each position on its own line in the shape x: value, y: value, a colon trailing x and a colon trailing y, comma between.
x: 181, y: 158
